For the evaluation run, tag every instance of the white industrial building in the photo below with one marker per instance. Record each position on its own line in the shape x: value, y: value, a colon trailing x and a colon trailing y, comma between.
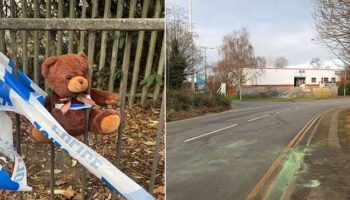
x: 290, y: 77
x: 282, y: 82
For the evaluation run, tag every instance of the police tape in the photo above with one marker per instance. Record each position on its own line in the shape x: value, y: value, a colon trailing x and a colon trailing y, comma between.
x: 24, y: 97
x: 18, y: 181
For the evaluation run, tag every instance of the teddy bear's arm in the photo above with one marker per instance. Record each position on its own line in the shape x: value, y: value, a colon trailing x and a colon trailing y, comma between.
x: 103, y: 97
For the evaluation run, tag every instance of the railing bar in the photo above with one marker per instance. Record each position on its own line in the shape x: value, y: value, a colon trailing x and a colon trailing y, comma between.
x: 82, y: 33
x: 15, y: 72
x: 160, y: 70
x: 52, y: 146
x: 114, y: 58
x: 115, y: 49
x: 126, y: 58
x: 98, y: 24
x: 104, y: 39
x: 91, y: 45
x: 52, y: 171
x: 91, y: 50
x: 24, y: 39
x: 139, y: 47
x: 2, y: 32
x: 94, y: 8
x: 160, y: 132
x: 48, y: 37
x: 150, y: 55
x: 36, y: 45
x: 59, y: 33
x: 71, y: 33
x: 122, y: 92
x: 123, y: 86
x: 124, y: 82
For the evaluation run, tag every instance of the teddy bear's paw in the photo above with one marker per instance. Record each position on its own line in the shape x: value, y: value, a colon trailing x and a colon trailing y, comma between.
x: 37, y: 135
x: 112, y: 100
x: 110, y: 123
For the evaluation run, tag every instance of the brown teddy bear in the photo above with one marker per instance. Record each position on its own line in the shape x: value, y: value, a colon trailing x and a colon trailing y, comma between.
x: 67, y: 76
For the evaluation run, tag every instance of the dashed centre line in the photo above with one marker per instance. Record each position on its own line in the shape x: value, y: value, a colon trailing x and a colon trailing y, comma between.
x: 282, y: 111
x: 250, y: 120
x: 231, y: 126
x: 212, y: 132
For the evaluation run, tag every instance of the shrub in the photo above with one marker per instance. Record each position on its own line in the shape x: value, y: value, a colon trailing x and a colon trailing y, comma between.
x: 180, y: 100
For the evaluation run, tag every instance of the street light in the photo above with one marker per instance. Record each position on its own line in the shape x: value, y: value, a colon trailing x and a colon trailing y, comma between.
x: 205, y: 62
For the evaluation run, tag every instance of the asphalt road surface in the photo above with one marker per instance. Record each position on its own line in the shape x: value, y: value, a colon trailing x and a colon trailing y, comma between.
x: 223, y: 156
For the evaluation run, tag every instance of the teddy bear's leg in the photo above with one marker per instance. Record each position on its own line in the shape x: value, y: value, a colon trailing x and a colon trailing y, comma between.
x: 104, y: 122
x: 37, y: 135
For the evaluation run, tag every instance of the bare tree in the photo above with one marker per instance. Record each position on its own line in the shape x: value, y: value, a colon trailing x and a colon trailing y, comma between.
x: 237, y: 55
x: 316, y: 63
x: 177, y: 30
x: 261, y: 62
x: 332, y: 22
x: 281, y: 62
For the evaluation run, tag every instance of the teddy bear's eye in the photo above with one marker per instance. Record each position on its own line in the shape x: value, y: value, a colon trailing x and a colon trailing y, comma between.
x: 69, y: 77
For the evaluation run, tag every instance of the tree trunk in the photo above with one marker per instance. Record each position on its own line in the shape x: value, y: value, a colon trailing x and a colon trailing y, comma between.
x: 240, y: 92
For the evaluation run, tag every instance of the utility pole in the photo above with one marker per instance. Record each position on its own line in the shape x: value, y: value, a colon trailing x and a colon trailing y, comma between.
x: 205, y: 64
x: 190, y: 30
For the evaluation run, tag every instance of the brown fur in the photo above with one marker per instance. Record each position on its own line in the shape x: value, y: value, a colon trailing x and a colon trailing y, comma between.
x: 70, y: 69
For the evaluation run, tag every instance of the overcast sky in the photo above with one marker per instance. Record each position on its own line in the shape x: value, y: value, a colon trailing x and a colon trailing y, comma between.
x: 277, y: 27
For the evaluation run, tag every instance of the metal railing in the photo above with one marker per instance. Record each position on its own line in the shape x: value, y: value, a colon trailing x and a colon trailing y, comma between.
x: 55, y: 37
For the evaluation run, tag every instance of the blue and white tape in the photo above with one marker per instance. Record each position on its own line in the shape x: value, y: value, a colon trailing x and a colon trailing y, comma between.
x: 24, y: 97
x: 18, y: 181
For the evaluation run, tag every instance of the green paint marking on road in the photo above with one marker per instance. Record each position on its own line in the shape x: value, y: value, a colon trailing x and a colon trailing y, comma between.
x: 312, y: 184
x: 290, y: 167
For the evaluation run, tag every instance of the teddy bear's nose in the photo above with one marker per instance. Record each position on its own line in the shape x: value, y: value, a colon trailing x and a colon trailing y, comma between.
x: 81, y: 81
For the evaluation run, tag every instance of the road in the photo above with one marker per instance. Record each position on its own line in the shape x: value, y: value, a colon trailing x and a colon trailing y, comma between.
x: 223, y: 156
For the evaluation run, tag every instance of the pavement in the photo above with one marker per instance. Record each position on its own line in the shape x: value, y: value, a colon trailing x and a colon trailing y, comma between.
x: 224, y: 155
x: 323, y: 172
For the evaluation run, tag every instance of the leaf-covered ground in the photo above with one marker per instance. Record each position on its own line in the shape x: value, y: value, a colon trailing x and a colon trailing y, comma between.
x: 136, y: 160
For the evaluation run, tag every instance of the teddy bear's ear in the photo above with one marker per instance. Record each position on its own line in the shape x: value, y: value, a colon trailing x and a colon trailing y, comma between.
x: 45, y: 67
x: 82, y: 54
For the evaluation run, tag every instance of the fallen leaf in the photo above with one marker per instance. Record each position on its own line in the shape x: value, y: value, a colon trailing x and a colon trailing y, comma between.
x: 56, y: 191
x: 153, y: 122
x: 69, y: 192
x: 56, y: 171
x: 60, y: 182
x: 69, y: 176
x: 74, y: 163
x: 159, y: 190
x: 150, y: 143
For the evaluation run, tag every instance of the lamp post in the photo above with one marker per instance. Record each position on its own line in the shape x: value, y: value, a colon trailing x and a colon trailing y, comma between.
x: 205, y: 62
x: 190, y: 30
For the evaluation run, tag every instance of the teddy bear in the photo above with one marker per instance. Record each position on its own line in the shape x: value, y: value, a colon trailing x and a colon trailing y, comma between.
x: 67, y: 77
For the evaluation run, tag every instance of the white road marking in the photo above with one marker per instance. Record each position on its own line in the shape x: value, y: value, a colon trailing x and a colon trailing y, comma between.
x: 206, y: 134
x: 250, y: 120
x: 253, y: 108
x: 175, y: 123
x: 282, y: 111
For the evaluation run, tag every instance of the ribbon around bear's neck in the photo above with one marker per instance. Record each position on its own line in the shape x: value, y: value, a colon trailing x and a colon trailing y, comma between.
x: 86, y: 99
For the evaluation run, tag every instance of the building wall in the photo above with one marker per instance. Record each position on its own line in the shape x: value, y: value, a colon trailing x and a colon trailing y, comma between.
x: 285, y: 77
